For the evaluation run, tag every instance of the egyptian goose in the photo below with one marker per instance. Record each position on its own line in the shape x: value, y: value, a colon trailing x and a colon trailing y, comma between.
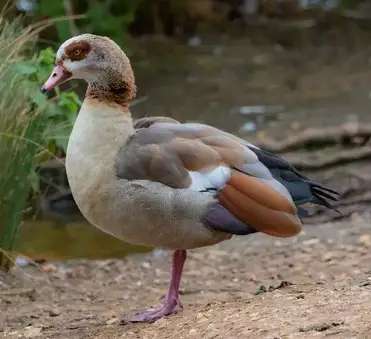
x: 164, y: 184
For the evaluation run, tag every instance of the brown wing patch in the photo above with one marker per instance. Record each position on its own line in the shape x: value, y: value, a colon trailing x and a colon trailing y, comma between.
x: 167, y: 151
x: 78, y: 50
x: 259, y: 206
x: 194, y: 154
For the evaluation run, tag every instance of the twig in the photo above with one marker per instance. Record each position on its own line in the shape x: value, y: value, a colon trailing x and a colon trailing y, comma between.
x: 69, y: 12
x: 18, y: 291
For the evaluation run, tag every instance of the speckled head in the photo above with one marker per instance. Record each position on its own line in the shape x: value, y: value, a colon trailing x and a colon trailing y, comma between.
x: 97, y: 60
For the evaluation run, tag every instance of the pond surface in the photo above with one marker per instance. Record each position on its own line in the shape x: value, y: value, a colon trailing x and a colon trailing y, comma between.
x: 53, y: 240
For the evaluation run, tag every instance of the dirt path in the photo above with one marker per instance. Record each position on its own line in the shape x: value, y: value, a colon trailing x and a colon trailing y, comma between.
x: 326, y: 291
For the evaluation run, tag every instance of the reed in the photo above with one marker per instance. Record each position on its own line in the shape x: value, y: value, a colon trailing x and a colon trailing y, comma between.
x: 21, y: 131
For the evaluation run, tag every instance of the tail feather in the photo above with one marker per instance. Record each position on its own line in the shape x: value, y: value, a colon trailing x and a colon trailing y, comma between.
x: 321, y: 195
x: 302, y: 189
x: 324, y: 194
x: 321, y: 187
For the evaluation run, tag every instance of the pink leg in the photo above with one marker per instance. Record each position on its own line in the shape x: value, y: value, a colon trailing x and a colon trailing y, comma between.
x: 172, y: 297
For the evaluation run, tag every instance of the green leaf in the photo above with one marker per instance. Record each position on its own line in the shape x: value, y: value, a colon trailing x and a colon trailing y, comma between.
x: 47, y: 56
x: 53, y: 110
x: 25, y: 68
x: 39, y: 99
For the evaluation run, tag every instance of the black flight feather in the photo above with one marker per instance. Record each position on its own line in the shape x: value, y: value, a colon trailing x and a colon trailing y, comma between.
x: 302, y: 189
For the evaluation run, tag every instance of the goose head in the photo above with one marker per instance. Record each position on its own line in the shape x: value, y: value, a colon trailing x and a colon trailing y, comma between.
x: 99, y: 61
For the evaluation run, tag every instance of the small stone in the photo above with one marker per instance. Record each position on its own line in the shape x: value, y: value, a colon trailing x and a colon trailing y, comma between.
x: 300, y: 296
x: 315, y: 327
x: 284, y: 283
x: 54, y: 312
x: 161, y: 323
x: 310, y: 242
x: 327, y: 257
x: 192, y: 332
x: 365, y: 239
x: 199, y: 316
x: 47, y: 268
x: 146, y: 265
x: 112, y: 321
x: 32, y: 332
x: 261, y: 289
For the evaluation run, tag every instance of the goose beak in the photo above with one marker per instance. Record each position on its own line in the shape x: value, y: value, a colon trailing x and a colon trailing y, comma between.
x: 58, y: 76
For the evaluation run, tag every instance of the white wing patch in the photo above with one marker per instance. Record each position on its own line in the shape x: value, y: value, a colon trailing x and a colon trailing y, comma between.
x: 215, y: 179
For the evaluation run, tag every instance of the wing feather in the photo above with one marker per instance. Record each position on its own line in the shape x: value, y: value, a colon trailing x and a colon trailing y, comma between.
x: 173, y: 153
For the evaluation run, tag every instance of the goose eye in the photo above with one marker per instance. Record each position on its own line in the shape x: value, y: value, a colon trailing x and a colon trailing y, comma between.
x: 77, y: 52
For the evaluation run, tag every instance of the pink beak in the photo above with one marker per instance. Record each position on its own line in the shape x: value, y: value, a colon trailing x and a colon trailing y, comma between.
x: 58, y: 76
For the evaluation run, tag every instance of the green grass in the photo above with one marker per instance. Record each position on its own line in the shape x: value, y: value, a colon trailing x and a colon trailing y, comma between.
x: 21, y: 132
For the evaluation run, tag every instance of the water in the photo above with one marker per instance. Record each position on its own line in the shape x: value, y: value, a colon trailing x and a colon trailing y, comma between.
x: 52, y: 240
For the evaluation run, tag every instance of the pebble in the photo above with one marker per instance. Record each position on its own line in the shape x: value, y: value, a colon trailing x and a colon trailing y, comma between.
x: 365, y: 239
x: 32, y: 332
x: 328, y: 256
x: 47, y: 268
x: 161, y: 323
x: 112, y: 321
x: 146, y: 264
x: 192, y: 332
x: 21, y: 262
x: 199, y: 315
x: 54, y: 312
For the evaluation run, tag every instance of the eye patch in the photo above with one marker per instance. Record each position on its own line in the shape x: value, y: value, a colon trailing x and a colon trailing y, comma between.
x: 77, y: 51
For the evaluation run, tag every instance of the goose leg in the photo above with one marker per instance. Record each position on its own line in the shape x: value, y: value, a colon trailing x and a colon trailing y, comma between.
x: 172, y: 297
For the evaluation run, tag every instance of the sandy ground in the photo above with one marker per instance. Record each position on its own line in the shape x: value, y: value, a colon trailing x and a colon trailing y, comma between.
x: 321, y: 289
x: 323, y: 275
